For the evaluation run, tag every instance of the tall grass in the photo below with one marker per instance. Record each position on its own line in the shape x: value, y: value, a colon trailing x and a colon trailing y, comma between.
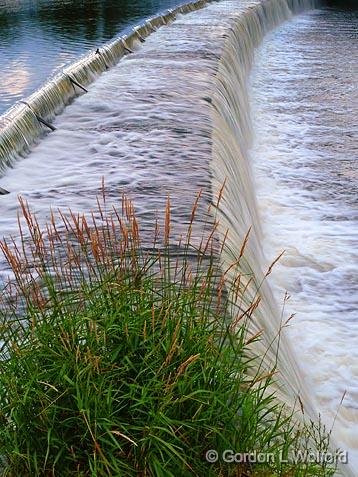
x: 122, y: 357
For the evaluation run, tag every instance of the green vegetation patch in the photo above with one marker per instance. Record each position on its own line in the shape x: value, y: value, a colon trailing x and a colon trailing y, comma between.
x: 122, y: 360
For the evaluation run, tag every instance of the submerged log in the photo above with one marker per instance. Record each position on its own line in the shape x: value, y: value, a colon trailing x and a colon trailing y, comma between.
x: 39, y: 118
x: 45, y: 123
x: 73, y: 81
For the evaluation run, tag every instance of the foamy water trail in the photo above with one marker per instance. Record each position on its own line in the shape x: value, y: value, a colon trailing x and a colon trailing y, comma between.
x: 305, y: 106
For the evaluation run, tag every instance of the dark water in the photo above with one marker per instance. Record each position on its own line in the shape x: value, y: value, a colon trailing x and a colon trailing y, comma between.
x: 39, y: 37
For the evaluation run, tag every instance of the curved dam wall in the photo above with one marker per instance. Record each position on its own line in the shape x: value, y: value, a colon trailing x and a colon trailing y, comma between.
x: 170, y: 118
x: 27, y: 121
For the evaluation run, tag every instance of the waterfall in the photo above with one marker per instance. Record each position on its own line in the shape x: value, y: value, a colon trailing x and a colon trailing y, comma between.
x: 238, y: 213
x: 148, y: 122
x: 25, y: 122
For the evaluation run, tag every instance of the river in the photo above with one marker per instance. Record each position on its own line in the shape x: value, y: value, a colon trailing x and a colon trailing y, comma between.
x: 305, y: 109
x: 40, y: 37
x: 145, y: 125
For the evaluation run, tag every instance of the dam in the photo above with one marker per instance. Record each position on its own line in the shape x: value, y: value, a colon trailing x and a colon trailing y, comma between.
x: 227, y: 92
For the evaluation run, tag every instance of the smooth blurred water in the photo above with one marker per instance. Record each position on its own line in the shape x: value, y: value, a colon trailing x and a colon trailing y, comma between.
x: 39, y: 37
x: 305, y: 109
x: 138, y: 127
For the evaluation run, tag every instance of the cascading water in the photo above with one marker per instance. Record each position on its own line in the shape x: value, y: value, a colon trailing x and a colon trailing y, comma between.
x: 304, y: 159
x: 20, y: 127
x: 232, y: 141
x: 171, y: 118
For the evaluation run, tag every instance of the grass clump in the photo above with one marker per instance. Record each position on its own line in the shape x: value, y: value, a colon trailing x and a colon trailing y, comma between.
x: 120, y: 359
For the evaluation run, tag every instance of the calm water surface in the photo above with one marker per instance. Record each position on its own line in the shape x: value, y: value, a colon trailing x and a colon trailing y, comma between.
x: 39, y: 37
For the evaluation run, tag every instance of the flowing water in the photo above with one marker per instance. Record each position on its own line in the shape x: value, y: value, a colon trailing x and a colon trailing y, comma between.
x: 305, y: 110
x: 174, y: 117
x: 40, y: 37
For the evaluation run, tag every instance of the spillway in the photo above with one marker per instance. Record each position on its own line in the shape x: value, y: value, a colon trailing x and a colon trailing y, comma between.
x: 304, y: 165
x: 173, y: 116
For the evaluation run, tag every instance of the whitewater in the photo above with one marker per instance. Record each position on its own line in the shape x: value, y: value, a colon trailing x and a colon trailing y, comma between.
x: 180, y: 113
x: 304, y: 105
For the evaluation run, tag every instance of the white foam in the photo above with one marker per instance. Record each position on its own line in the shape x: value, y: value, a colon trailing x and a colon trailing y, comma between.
x: 304, y: 153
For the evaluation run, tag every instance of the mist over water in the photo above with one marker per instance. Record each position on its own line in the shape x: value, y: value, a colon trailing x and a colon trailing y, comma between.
x: 305, y: 109
x: 40, y: 37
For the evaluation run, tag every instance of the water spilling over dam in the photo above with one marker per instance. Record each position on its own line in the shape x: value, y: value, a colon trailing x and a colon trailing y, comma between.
x: 304, y: 160
x: 172, y: 117
x: 38, y: 38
